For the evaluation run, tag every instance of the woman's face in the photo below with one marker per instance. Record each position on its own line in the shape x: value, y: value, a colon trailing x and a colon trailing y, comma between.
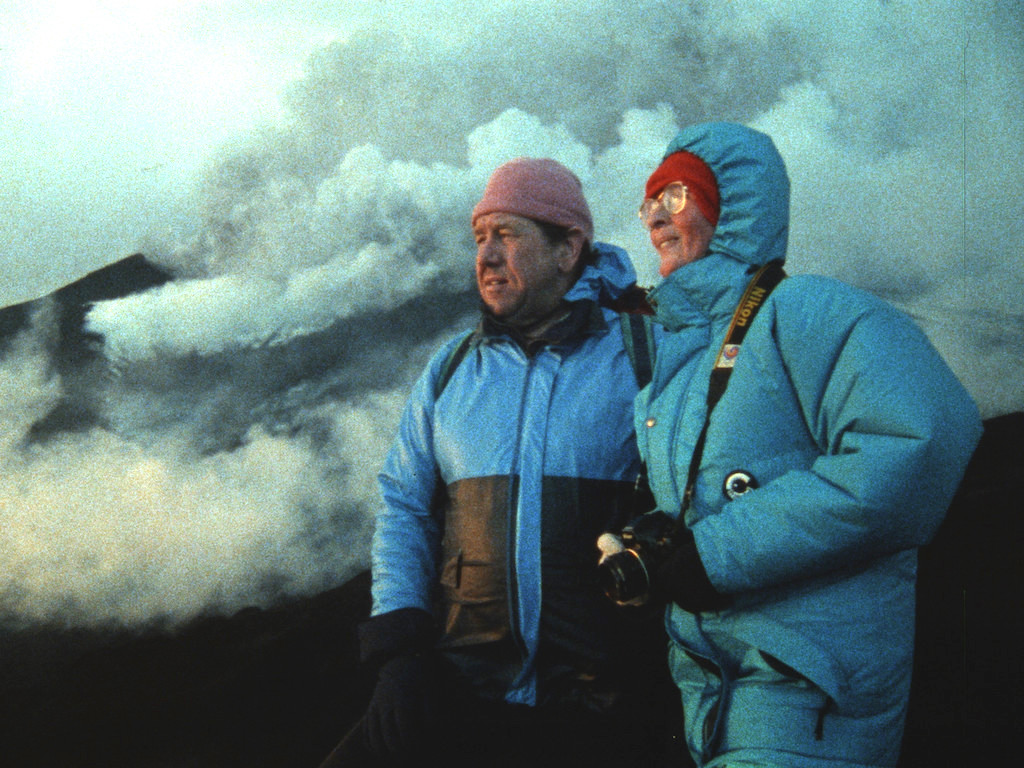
x: 679, y: 238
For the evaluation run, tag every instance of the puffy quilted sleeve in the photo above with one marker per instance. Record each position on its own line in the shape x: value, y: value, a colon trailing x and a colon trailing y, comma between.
x: 891, y: 432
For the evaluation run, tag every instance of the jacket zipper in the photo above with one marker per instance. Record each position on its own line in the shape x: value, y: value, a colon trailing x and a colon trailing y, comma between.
x: 512, y: 547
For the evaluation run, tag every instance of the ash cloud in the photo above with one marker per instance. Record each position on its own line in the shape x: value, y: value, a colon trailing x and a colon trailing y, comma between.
x: 220, y: 446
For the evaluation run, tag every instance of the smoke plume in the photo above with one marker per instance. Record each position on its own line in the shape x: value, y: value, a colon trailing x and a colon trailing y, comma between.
x: 218, y: 445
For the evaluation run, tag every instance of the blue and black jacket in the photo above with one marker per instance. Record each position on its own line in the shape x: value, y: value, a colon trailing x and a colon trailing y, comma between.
x: 496, y: 489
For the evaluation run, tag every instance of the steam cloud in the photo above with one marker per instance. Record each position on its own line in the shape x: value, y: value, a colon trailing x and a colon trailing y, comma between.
x: 242, y: 410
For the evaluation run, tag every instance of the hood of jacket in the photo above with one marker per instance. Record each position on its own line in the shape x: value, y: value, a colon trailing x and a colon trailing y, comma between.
x: 753, y: 223
x: 605, y: 279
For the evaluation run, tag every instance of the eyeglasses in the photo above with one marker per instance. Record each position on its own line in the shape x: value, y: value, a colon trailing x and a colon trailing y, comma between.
x: 672, y: 199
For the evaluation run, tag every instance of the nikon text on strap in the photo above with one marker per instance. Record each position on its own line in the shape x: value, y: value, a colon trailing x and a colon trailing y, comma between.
x: 757, y: 291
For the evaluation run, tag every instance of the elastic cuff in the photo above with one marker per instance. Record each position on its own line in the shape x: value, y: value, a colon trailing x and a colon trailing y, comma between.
x: 683, y: 580
x: 406, y: 630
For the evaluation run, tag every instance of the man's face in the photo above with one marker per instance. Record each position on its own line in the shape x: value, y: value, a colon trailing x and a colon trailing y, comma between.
x: 679, y: 238
x: 520, y: 275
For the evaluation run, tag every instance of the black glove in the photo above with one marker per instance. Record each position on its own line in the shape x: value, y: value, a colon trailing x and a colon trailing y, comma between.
x: 387, y: 635
x: 681, y: 578
x: 403, y: 711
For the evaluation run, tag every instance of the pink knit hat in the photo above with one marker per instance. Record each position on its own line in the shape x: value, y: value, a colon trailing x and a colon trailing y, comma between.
x: 540, y: 189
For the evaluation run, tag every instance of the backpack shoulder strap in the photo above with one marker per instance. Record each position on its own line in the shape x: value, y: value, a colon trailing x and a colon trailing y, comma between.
x: 638, y: 339
x: 637, y: 336
x: 455, y: 357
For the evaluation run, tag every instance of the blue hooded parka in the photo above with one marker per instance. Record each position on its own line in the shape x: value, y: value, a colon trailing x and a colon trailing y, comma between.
x: 851, y: 435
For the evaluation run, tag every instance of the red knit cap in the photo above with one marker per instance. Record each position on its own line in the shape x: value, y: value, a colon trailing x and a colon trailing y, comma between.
x: 539, y: 189
x: 701, y: 186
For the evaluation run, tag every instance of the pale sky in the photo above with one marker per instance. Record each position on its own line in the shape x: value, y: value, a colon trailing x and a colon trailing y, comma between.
x: 111, y: 107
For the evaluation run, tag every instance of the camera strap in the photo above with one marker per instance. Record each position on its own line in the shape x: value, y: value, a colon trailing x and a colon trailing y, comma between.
x: 766, y: 278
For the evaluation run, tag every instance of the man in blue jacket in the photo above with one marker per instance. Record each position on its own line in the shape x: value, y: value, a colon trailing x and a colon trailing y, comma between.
x: 830, y: 457
x: 494, y: 642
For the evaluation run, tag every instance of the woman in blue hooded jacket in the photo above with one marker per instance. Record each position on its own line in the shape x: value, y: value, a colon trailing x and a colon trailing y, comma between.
x: 830, y: 458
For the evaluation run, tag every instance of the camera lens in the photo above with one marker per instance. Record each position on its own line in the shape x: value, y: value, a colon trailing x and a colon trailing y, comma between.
x: 623, y: 576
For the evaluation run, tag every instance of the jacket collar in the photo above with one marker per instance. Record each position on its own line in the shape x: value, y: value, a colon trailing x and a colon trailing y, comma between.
x: 581, y: 319
x: 700, y: 293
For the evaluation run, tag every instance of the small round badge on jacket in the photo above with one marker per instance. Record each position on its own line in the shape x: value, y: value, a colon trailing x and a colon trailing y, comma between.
x: 737, y: 483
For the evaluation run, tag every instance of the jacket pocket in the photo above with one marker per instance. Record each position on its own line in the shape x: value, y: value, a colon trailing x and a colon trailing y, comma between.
x: 473, y: 595
x: 473, y: 605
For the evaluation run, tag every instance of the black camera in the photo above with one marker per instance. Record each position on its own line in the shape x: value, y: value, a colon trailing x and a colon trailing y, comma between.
x: 625, y: 575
